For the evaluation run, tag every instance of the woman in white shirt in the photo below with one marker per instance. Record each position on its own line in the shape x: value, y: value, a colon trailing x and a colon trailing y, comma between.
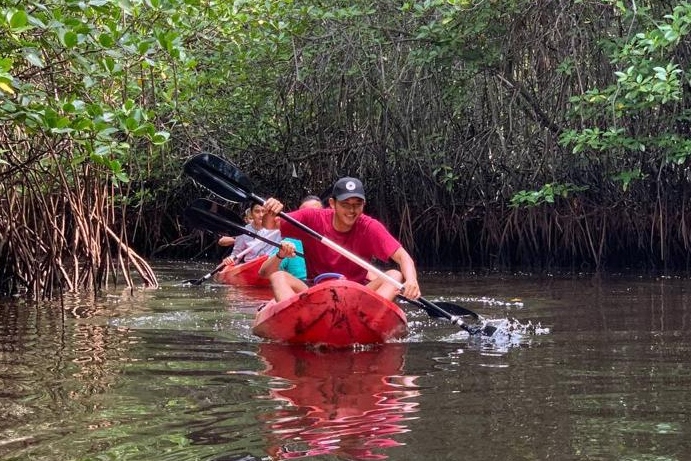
x: 255, y: 216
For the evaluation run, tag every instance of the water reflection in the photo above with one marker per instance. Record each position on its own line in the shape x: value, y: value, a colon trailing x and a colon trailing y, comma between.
x: 247, y: 296
x: 54, y: 366
x: 344, y: 402
x: 175, y: 374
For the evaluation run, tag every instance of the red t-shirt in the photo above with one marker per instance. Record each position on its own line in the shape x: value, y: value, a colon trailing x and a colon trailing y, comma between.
x: 368, y: 238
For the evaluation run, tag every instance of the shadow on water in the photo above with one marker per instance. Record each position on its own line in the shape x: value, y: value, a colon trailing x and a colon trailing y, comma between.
x: 175, y: 374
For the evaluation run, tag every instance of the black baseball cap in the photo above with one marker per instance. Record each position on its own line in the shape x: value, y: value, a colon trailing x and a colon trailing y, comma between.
x: 346, y: 188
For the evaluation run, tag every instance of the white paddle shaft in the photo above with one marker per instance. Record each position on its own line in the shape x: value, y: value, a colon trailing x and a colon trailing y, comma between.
x: 361, y: 262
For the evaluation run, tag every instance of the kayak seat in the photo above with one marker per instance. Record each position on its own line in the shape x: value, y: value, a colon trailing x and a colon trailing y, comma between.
x: 328, y: 276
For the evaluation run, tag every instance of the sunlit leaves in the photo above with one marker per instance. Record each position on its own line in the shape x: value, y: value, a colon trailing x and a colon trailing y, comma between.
x: 659, y: 85
x: 84, y: 51
x: 600, y: 140
x: 68, y: 38
x: 6, y: 85
x: 33, y: 57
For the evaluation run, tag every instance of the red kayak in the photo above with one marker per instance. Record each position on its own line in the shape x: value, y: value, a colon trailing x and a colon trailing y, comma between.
x: 336, y: 313
x: 245, y: 274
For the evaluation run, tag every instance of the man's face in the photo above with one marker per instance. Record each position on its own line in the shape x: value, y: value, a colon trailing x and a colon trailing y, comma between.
x: 347, y: 211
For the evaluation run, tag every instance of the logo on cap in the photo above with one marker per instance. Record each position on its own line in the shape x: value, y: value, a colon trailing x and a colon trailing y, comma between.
x: 350, y: 185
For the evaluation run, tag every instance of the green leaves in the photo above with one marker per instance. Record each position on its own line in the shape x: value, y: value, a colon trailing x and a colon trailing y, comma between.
x: 78, y: 62
x: 632, y: 124
x: 6, y: 81
x: 659, y: 85
x: 446, y: 177
x: 595, y: 139
x: 626, y: 177
x: 68, y: 38
x: 546, y: 194
x: 18, y: 20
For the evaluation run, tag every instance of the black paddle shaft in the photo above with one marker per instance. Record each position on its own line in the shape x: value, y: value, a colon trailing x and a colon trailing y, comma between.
x: 203, y: 279
x: 205, y: 213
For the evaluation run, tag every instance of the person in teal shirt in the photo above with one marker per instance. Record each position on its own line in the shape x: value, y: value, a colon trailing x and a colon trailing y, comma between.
x: 295, y: 266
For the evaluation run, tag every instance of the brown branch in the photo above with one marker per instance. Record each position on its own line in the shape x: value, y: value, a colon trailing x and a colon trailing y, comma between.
x: 536, y: 114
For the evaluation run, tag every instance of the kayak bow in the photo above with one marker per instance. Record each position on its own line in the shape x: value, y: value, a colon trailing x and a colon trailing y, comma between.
x: 245, y: 274
x: 335, y: 313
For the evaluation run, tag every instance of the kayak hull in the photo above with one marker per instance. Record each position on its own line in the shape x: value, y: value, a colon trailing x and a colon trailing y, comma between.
x: 245, y: 274
x: 336, y: 313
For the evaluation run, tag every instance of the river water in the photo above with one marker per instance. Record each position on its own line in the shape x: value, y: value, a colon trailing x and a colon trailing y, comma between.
x: 583, y: 367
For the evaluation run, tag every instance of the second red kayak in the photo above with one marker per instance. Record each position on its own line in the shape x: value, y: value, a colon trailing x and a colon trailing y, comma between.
x: 245, y: 274
x: 336, y: 313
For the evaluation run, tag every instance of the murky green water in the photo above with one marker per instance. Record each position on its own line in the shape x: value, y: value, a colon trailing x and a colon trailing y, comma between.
x: 175, y: 374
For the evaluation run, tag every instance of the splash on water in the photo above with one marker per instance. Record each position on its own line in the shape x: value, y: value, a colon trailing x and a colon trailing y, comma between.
x: 511, y: 333
x: 500, y: 335
x: 512, y: 326
x: 516, y: 303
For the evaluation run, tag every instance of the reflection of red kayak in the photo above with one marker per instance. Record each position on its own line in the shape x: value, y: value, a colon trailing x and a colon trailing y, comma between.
x: 245, y: 274
x: 337, y: 402
x: 334, y: 313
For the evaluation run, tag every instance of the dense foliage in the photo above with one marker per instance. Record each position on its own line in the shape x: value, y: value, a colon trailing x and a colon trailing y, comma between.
x: 493, y: 134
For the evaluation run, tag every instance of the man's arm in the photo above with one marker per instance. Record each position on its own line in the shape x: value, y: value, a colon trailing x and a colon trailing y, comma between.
x: 411, y: 289
x: 271, y: 265
x: 241, y: 242
x: 226, y: 241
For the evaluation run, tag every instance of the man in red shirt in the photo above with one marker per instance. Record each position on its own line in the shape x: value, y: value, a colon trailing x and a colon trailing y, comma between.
x: 345, y: 224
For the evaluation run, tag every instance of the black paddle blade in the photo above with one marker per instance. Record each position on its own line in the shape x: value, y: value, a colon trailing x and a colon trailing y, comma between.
x: 435, y: 310
x: 199, y: 281
x: 192, y: 282
x: 207, y: 215
x: 220, y: 176
x: 489, y: 330
x: 443, y: 309
x: 204, y: 204
x: 455, y: 309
